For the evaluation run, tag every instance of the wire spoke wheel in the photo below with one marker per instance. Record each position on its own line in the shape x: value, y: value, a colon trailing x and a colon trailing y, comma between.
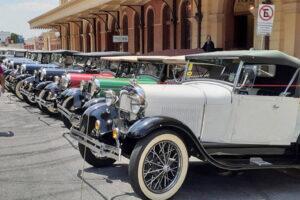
x: 162, y: 167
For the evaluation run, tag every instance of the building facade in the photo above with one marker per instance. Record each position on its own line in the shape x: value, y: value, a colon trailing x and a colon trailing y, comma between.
x: 170, y: 26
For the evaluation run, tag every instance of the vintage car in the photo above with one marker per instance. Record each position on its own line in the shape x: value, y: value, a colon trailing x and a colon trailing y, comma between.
x: 40, y: 58
x: 143, y: 69
x: 92, y: 67
x: 240, y: 111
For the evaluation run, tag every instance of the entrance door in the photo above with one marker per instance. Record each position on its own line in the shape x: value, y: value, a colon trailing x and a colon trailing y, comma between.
x: 243, y: 31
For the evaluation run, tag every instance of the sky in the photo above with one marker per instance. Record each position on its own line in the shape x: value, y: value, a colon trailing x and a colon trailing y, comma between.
x: 15, y: 14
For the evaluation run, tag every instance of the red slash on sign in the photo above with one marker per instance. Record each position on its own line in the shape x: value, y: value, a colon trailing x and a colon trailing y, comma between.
x: 266, y: 12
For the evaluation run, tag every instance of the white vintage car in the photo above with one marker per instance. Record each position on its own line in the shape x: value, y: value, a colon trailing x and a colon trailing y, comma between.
x: 239, y: 111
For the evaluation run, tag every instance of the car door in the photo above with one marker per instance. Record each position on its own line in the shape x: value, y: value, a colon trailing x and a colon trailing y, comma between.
x: 265, y: 120
x: 262, y: 113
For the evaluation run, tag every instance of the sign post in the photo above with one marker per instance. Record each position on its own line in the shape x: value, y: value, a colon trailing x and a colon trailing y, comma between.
x: 265, y: 20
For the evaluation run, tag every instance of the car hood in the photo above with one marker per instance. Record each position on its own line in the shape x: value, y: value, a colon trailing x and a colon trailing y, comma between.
x: 185, y: 102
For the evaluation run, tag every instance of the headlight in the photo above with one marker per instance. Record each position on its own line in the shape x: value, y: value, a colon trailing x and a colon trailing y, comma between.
x: 23, y: 69
x: 82, y: 85
x: 65, y: 81
x: 111, y: 98
x: 56, y: 79
x: 137, y: 100
x: 43, y: 74
x: 95, y: 87
x: 35, y: 73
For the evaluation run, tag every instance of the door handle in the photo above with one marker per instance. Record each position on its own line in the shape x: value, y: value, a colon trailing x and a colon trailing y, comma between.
x: 276, y: 106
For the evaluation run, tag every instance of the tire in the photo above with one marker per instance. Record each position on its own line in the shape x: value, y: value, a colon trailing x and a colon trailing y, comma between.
x: 67, y: 104
x: 137, y: 166
x: 17, y: 90
x: 91, y: 159
x: 30, y: 102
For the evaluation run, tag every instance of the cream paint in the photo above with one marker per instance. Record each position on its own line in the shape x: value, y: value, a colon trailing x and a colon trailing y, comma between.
x: 215, y: 114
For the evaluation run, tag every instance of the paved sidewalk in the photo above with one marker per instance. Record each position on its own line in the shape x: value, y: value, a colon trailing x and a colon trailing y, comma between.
x: 38, y: 160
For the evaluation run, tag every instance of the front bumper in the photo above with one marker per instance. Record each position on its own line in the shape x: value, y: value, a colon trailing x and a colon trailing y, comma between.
x: 44, y: 103
x: 10, y: 83
x: 72, y: 117
x: 102, y: 149
x: 27, y: 94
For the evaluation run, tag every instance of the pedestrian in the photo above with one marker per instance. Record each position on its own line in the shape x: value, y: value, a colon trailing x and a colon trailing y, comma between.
x: 209, y: 45
x: 1, y: 79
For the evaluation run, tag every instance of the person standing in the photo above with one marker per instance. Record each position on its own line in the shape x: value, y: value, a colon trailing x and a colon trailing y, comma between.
x: 1, y: 79
x: 209, y: 45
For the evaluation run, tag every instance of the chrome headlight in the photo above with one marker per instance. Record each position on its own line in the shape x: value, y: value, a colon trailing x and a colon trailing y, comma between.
x: 43, y: 74
x: 23, y: 69
x: 11, y: 63
x: 111, y: 98
x: 95, y: 87
x: 35, y: 73
x: 65, y: 81
x: 56, y: 79
x: 132, y: 102
x: 82, y: 85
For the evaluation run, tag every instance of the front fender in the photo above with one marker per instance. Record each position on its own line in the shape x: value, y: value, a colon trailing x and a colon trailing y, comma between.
x: 53, y: 87
x: 22, y: 77
x: 105, y: 114
x: 147, y: 125
x: 30, y: 79
x: 76, y: 93
x: 42, y: 85
x: 93, y: 102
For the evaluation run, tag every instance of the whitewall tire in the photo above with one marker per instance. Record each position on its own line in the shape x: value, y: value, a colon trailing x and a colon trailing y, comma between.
x: 158, y: 165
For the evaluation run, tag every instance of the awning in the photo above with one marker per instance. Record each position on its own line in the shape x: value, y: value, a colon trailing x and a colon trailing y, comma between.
x: 72, y: 11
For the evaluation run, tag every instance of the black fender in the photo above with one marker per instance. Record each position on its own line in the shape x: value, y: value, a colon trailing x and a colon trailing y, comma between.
x: 53, y: 87
x: 76, y: 93
x: 105, y: 114
x: 42, y: 85
x: 22, y: 77
x: 93, y: 102
x: 30, y: 79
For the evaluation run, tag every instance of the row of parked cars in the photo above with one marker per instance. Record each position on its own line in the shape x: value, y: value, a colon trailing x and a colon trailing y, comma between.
x: 236, y: 110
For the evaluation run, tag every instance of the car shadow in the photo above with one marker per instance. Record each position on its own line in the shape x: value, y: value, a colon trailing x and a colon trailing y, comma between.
x: 208, y: 182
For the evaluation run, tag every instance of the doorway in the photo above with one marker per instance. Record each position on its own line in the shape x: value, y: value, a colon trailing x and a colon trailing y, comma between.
x: 243, y: 31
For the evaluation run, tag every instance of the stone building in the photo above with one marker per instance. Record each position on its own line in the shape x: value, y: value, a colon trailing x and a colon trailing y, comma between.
x: 170, y: 26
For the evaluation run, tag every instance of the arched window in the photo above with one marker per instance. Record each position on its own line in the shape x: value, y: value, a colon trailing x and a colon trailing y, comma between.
x: 99, y: 36
x: 186, y: 9
x: 137, y: 36
x: 125, y: 32
x: 88, y: 39
x: 111, y: 46
x: 166, y: 21
x: 150, y: 31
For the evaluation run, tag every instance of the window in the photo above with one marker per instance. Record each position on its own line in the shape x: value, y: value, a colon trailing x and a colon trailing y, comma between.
x: 268, y: 80
x: 166, y: 27
x: 150, y: 31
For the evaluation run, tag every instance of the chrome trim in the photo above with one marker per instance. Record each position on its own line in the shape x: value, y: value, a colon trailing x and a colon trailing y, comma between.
x: 104, y: 150
x: 29, y: 95
x: 73, y: 118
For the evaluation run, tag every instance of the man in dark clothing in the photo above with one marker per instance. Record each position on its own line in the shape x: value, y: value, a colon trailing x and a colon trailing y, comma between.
x: 1, y: 79
x: 209, y: 45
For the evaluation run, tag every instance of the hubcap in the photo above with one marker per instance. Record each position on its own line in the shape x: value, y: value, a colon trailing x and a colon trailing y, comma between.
x: 162, y: 167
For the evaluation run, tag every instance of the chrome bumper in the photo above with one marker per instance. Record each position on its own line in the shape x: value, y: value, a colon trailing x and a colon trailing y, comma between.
x: 73, y: 118
x: 9, y: 84
x: 104, y: 150
x: 42, y: 102
x: 29, y: 95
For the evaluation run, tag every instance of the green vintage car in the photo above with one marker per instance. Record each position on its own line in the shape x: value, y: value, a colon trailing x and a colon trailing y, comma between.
x: 139, y: 69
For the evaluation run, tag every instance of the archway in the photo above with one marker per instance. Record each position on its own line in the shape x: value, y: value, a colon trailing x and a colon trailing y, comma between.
x: 150, y: 31
x: 125, y: 32
x: 166, y: 22
x: 111, y: 46
x: 99, y: 36
x: 88, y: 38
x: 137, y: 36
x: 186, y: 13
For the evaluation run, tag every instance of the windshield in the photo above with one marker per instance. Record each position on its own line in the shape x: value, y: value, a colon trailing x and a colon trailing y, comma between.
x: 20, y: 54
x: 62, y: 59
x: 80, y: 60
x: 151, y: 69
x: 224, y: 70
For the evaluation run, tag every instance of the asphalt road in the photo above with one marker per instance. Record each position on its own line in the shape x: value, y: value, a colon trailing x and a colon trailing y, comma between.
x: 38, y: 160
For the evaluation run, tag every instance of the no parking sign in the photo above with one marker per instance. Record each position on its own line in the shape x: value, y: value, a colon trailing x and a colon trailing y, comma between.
x: 265, y: 19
